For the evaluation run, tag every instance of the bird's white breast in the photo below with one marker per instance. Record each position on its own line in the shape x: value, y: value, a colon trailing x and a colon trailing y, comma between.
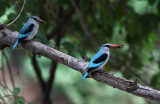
x: 34, y: 31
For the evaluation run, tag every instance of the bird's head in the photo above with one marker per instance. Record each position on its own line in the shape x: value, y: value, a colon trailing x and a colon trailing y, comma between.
x: 107, y: 46
x: 36, y: 19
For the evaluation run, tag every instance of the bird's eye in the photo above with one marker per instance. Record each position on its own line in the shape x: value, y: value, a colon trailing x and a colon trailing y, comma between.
x: 35, y: 19
x: 107, y: 45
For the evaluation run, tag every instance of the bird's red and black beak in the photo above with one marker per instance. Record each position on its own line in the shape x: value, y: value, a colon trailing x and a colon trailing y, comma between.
x: 40, y: 21
x: 116, y: 46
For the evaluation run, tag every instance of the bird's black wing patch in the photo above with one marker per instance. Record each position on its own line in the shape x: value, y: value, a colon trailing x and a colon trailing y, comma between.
x: 27, y: 29
x: 30, y: 28
x: 102, y: 58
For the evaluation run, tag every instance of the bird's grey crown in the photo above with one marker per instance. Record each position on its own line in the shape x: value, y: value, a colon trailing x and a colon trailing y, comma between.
x: 34, y: 17
x: 105, y: 48
x: 106, y: 45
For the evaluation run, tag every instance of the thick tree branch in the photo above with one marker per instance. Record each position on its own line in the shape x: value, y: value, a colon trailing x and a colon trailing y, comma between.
x: 38, y: 72
x: 79, y: 65
x: 49, y: 84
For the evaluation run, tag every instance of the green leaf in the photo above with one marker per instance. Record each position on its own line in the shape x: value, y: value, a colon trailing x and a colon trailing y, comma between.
x: 21, y: 100
x: 16, y: 91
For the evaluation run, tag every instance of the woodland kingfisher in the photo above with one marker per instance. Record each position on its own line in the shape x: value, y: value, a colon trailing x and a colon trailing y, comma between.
x: 29, y: 30
x: 100, y: 59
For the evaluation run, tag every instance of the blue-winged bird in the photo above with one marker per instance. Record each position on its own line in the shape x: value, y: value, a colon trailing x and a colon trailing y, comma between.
x: 100, y: 59
x: 29, y: 30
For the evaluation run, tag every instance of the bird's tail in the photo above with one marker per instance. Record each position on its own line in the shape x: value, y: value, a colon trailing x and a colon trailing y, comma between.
x: 84, y: 76
x: 15, y: 44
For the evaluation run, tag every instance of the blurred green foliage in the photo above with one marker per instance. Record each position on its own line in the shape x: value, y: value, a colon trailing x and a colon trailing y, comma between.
x: 134, y: 23
x: 16, y: 91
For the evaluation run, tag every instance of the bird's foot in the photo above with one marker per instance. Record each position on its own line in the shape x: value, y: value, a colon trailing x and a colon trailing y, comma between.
x: 95, y: 72
x: 24, y: 41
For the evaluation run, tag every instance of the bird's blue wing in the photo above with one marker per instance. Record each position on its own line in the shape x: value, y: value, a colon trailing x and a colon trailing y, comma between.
x: 28, y: 27
x: 26, y: 30
x: 97, y: 60
x: 20, y: 36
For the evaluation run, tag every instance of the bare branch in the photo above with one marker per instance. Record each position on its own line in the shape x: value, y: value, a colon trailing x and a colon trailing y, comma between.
x: 49, y: 84
x: 3, y: 70
x: 17, y: 15
x: 38, y: 72
x: 9, y: 69
x: 60, y: 21
x: 83, y: 24
x: 79, y: 65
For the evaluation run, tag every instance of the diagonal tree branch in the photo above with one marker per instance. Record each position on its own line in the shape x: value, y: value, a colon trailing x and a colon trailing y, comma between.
x: 79, y: 65
x: 83, y: 24
x: 61, y: 21
x: 8, y: 24
x: 3, y: 69
x: 9, y: 69
x: 18, y: 14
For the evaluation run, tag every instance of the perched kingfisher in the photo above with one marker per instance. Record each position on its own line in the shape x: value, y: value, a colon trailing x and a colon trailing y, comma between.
x: 100, y: 59
x: 29, y: 30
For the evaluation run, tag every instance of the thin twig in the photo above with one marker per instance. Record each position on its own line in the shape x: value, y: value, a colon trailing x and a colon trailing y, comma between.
x: 60, y: 22
x: 5, y: 89
x: 83, y: 24
x: 9, y: 69
x: 12, y: 96
x: 3, y: 71
x: 2, y: 99
x: 17, y: 15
